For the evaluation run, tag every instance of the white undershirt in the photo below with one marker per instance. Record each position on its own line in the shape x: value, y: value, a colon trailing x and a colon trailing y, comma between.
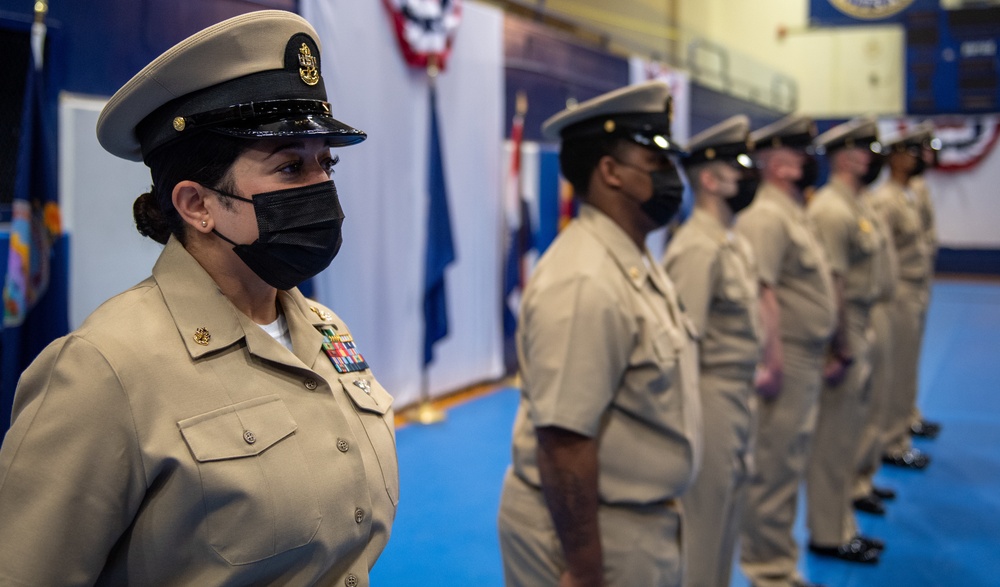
x: 279, y: 331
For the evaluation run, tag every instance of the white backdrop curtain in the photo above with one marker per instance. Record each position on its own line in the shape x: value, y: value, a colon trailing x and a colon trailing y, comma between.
x: 376, y: 281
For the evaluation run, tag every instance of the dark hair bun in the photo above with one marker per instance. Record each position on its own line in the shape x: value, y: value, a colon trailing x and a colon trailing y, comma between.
x: 149, y: 219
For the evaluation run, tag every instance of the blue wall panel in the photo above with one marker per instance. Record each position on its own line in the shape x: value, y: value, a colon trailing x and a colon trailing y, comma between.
x: 102, y: 43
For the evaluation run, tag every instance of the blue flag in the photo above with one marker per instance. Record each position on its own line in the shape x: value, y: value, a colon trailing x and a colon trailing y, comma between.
x: 440, y: 246
x: 35, y: 277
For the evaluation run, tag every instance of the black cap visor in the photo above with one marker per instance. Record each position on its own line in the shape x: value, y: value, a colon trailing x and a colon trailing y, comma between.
x: 336, y: 133
x: 276, y: 118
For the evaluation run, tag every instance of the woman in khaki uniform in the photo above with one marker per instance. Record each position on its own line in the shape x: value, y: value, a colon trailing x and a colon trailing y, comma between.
x: 210, y: 426
x: 895, y: 203
x: 926, y: 158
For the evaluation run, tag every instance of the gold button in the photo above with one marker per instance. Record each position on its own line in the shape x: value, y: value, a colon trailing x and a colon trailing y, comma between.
x: 634, y: 272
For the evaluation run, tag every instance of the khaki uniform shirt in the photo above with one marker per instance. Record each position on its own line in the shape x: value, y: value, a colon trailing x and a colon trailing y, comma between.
x: 925, y: 207
x: 885, y: 281
x: 171, y: 441
x: 791, y: 260
x: 848, y: 230
x: 715, y: 274
x: 605, y: 352
x: 901, y: 216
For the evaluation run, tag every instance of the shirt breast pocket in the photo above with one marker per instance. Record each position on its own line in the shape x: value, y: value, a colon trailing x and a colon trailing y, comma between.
x: 805, y: 253
x: 259, y: 498
x: 866, y: 241
x: 373, y: 403
x: 734, y: 291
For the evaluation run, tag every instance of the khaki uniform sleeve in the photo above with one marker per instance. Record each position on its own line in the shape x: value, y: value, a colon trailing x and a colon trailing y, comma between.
x: 71, y: 478
x: 834, y: 234
x: 767, y: 237
x: 883, y: 206
x: 574, y: 351
x: 695, y: 272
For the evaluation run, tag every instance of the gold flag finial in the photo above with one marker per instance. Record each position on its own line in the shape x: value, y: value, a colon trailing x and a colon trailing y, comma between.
x: 433, y: 69
x: 41, y: 9
x: 521, y: 103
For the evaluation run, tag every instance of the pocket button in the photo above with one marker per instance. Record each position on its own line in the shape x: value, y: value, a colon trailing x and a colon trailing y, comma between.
x: 343, y: 445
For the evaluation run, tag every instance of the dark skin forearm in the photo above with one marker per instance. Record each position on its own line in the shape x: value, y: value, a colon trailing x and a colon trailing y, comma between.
x: 567, y: 464
x: 839, y: 344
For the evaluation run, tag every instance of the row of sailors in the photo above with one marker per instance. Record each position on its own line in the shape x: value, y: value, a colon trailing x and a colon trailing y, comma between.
x: 787, y: 351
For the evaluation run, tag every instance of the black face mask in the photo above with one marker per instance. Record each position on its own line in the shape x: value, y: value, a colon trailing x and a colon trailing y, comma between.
x: 299, y: 233
x: 746, y: 190
x: 668, y: 193
x: 810, y: 173
x: 874, y: 168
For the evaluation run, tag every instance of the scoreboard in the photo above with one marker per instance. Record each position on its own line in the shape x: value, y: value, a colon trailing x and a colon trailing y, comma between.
x: 952, y: 65
x: 952, y: 62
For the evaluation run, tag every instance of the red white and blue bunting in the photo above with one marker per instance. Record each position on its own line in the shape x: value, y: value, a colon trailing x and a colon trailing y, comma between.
x: 965, y: 140
x: 425, y: 29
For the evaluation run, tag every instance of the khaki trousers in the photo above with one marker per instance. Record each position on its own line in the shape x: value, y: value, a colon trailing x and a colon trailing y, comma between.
x: 713, y: 505
x: 785, y: 426
x: 907, y: 330
x: 641, y: 544
x: 870, y: 448
x: 915, y: 416
x: 842, y: 411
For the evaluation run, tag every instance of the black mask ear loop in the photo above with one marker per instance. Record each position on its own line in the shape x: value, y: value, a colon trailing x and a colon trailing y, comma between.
x: 235, y: 197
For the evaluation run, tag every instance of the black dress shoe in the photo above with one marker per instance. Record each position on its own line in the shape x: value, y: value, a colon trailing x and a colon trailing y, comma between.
x: 855, y: 551
x: 925, y: 429
x: 883, y: 493
x: 875, y: 543
x: 911, y: 459
x: 871, y: 504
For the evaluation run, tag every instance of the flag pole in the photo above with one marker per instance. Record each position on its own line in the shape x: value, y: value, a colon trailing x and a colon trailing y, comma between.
x: 426, y: 412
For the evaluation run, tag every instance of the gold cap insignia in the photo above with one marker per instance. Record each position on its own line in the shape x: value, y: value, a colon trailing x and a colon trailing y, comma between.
x: 307, y: 66
x: 710, y: 153
x: 179, y: 123
x: 202, y: 336
x: 609, y: 126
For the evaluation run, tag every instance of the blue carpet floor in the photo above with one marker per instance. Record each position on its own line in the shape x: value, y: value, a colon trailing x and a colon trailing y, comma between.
x: 941, y: 530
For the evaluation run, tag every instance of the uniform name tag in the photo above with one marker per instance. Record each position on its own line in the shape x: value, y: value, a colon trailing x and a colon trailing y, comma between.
x: 341, y: 350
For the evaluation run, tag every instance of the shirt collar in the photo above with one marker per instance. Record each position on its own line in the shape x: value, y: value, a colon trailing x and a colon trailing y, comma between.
x: 710, y: 225
x: 619, y: 245
x: 208, y: 322
x: 769, y: 192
